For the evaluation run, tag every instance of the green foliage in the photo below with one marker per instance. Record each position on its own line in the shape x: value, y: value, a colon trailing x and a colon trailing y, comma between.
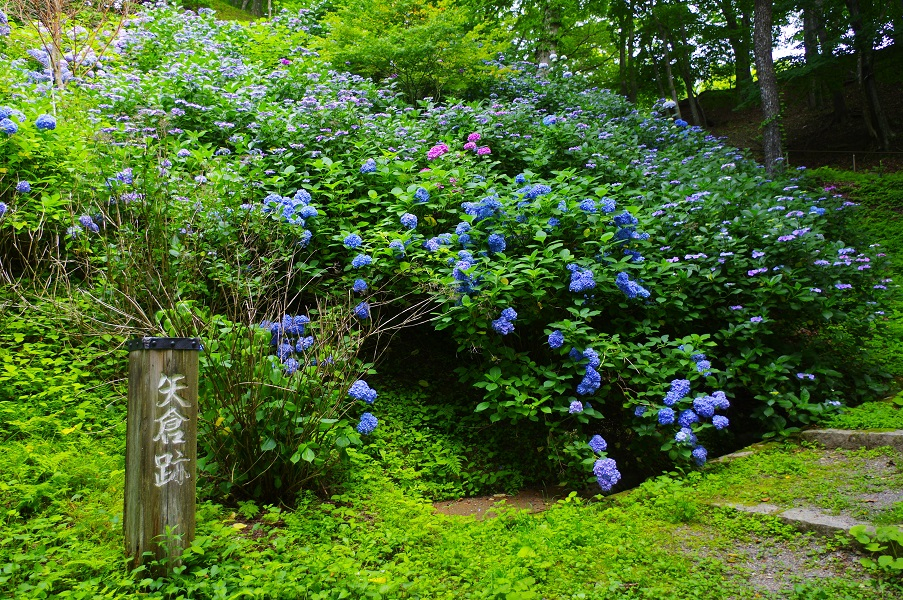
x: 869, y: 415
x: 265, y: 429
x: 886, y: 543
x: 434, y: 49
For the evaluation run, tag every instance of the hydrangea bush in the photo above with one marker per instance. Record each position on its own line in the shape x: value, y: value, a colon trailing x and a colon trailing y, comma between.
x: 602, y: 269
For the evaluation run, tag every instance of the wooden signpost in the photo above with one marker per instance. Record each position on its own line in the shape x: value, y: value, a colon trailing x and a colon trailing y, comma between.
x: 161, y: 448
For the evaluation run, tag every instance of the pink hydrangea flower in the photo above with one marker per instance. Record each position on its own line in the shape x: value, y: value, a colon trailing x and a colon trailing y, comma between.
x: 470, y: 146
x: 437, y: 151
x: 483, y: 151
x: 473, y: 137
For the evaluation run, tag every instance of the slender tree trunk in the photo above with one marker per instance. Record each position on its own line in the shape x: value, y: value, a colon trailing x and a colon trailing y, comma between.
x: 811, y: 54
x: 631, y: 61
x: 834, y: 80
x: 669, y: 76
x: 739, y: 41
x: 768, y: 85
x: 875, y: 120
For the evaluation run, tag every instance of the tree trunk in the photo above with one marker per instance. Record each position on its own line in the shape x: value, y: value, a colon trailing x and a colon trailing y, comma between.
x: 669, y: 76
x: 768, y: 85
x: 548, y: 44
x: 875, y: 120
x: 739, y: 41
x: 834, y: 80
x: 811, y: 54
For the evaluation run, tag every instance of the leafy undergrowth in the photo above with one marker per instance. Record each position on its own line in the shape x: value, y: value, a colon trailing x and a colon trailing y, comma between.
x: 881, y: 194
x: 377, y: 535
x: 870, y: 415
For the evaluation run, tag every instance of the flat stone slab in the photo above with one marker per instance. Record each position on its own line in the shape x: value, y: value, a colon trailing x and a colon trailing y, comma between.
x: 853, y: 440
x: 804, y: 519
x: 810, y: 519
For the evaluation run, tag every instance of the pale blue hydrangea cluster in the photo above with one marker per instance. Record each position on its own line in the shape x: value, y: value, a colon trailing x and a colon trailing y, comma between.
x: 606, y: 472
x: 630, y: 288
x: 287, y: 337
x: 359, y: 390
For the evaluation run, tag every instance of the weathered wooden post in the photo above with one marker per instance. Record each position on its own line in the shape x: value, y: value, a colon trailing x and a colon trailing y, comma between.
x: 161, y: 448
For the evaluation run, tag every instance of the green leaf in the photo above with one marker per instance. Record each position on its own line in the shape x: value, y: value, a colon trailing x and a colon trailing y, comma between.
x: 481, y: 407
x: 308, y: 455
x: 268, y: 445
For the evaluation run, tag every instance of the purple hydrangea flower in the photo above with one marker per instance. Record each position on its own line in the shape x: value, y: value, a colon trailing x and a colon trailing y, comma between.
x: 597, y: 444
x: 606, y: 472
x: 575, y: 407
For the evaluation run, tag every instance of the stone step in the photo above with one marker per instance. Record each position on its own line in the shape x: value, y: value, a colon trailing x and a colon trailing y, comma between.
x: 803, y: 519
x: 853, y: 440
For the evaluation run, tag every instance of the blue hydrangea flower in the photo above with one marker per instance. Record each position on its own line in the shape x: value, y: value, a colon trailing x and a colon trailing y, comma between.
x: 639, y: 411
x: 520, y: 179
x: 537, y: 190
x: 23, y: 187
x: 352, y: 241
x: 553, y: 222
x: 625, y: 219
x: 575, y: 407
x: 588, y: 205
x: 684, y: 436
x: 549, y: 120
x: 606, y: 472
x: 703, y: 365
x: 510, y: 314
x: 8, y: 126
x: 496, y: 243
x: 679, y: 389
x: 581, y: 280
x: 630, y: 288
x: 308, y: 212
x: 304, y: 240
x: 575, y: 355
x: 359, y: 285
x: 700, y: 455
x: 503, y: 326
x: 556, y: 339
x: 608, y: 205
x: 687, y: 417
x: 597, y: 444
x: 361, y: 260
x: 680, y: 123
x: 409, y: 220
x: 462, y: 228
x: 590, y: 382
x: 3, y: 209
x: 665, y: 416
x: 304, y: 343
x: 368, y: 424
x: 290, y: 365
x: 369, y: 166
x: 284, y: 351
x: 421, y: 195
x: 704, y: 406
x: 720, y: 422
x: 359, y: 390
x: 397, y: 246
x: 88, y: 223
x: 362, y: 311
x: 593, y: 357
x: 720, y: 401
x: 45, y: 122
